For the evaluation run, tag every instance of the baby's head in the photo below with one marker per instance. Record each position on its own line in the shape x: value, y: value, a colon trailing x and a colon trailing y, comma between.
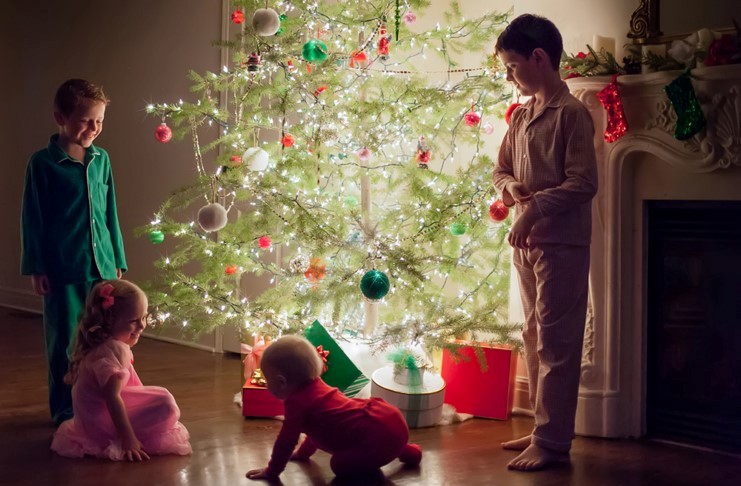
x: 288, y: 364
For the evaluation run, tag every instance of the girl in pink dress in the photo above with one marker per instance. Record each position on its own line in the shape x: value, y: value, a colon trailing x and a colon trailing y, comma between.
x: 115, y: 416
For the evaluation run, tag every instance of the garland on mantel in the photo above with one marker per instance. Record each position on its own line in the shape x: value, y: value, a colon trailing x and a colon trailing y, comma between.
x: 701, y: 48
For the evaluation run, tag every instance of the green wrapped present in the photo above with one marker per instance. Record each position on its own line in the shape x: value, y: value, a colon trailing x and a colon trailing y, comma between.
x: 341, y: 371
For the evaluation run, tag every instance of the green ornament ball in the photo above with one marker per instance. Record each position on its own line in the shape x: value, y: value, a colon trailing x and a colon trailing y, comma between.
x: 351, y: 201
x: 156, y: 237
x: 374, y: 284
x: 458, y: 228
x: 315, y: 51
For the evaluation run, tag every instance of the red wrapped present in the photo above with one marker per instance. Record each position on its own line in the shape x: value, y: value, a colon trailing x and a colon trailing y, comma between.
x: 481, y: 393
x: 257, y: 401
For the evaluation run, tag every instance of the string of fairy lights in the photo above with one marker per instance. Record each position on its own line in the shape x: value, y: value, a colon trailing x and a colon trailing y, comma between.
x: 319, y: 121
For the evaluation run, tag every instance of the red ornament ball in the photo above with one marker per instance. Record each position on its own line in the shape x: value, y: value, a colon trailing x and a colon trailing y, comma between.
x: 238, y: 16
x: 317, y: 271
x: 287, y: 140
x: 265, y: 242
x: 163, y: 133
x: 510, y: 110
x: 472, y: 118
x: 230, y: 269
x: 498, y: 211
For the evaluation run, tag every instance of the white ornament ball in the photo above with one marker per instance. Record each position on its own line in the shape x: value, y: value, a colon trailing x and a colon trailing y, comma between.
x: 265, y: 21
x: 255, y: 158
x: 212, y: 217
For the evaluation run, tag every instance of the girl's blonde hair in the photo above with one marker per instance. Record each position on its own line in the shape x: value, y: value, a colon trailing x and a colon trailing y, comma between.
x: 105, y: 300
x: 295, y: 358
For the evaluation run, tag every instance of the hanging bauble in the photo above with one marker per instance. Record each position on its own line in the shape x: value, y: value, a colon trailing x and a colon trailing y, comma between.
x: 212, y: 217
x: 235, y: 160
x: 299, y: 264
x: 617, y: 125
x: 156, y: 237
x: 317, y: 270
x: 321, y: 89
x: 238, y: 16
x: 351, y: 201
x: 231, y: 269
x: 488, y: 128
x: 163, y: 133
x: 355, y: 238
x: 458, y: 228
x: 265, y: 21
x: 684, y: 100
x: 472, y: 118
x: 281, y: 17
x: 315, y: 51
x: 265, y: 242
x: 409, y: 18
x: 256, y: 159
x: 358, y: 59
x: 253, y: 62
x: 364, y: 154
x: 423, y: 153
x: 287, y: 140
x: 374, y: 284
x: 498, y: 211
x: 510, y: 109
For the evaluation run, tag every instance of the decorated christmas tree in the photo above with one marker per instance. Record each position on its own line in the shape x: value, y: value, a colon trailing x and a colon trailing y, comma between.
x: 339, y: 171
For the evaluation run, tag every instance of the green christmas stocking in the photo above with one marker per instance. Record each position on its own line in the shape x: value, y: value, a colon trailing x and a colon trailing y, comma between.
x: 683, y: 98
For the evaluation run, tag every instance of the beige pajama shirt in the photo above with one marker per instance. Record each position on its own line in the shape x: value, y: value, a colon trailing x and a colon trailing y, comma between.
x: 552, y: 152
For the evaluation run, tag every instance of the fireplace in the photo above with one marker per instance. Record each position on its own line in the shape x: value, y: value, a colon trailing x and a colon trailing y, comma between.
x: 693, y: 304
x: 647, y: 166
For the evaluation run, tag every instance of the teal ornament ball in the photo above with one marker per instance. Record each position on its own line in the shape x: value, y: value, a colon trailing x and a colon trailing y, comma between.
x: 374, y: 284
x: 351, y: 201
x: 315, y: 51
x: 458, y: 228
x: 156, y: 237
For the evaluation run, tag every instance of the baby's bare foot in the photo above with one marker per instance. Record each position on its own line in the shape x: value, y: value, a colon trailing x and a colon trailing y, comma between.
x: 517, y: 444
x: 535, y: 458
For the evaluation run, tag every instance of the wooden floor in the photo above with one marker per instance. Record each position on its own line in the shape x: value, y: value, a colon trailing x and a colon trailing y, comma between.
x: 226, y: 445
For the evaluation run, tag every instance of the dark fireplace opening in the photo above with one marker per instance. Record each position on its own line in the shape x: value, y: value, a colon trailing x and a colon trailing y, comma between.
x: 694, y: 323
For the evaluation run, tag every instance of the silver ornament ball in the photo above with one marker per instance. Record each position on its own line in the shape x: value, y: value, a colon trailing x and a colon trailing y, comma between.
x: 265, y: 21
x: 212, y: 217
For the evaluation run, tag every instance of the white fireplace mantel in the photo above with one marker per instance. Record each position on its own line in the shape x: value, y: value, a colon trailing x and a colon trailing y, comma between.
x: 648, y: 163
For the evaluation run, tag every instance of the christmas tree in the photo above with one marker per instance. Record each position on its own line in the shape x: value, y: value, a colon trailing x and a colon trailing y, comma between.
x: 336, y: 174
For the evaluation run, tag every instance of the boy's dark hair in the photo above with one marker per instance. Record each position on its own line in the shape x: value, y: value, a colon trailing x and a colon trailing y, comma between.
x: 72, y: 92
x: 528, y: 32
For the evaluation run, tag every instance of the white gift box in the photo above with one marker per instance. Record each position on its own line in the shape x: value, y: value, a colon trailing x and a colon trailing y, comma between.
x: 421, y: 406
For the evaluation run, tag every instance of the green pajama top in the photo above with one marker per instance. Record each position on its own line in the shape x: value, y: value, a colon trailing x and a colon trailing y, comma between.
x: 69, y: 225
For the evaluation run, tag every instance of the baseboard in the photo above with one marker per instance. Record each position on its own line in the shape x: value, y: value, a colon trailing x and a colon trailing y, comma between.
x: 180, y: 342
x: 522, y: 399
x: 24, y: 300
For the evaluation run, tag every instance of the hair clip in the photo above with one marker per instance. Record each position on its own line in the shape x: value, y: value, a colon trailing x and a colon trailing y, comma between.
x: 106, y: 296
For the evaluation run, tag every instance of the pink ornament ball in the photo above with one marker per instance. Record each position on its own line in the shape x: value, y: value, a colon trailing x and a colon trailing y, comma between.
x: 163, y: 133
x: 488, y: 128
x: 364, y: 154
x: 498, y: 211
x: 265, y: 242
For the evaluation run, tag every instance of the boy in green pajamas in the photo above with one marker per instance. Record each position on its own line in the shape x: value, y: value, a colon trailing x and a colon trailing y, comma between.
x: 69, y: 226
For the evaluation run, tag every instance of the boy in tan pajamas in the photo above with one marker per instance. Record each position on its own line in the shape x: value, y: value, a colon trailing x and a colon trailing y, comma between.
x: 547, y: 169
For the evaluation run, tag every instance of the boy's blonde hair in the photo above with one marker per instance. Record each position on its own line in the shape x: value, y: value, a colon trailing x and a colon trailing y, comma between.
x: 101, y: 309
x: 295, y: 358
x: 73, y: 92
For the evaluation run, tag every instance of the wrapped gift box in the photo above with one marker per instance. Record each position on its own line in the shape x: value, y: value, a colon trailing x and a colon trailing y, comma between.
x: 422, y: 406
x: 481, y: 393
x: 257, y: 401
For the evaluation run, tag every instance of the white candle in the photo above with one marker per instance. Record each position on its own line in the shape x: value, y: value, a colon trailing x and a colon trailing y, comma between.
x: 606, y: 43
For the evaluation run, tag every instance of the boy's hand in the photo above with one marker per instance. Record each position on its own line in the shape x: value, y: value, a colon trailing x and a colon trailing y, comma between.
x: 519, y: 192
x: 259, y: 474
x: 520, y: 231
x: 119, y: 273
x: 40, y: 284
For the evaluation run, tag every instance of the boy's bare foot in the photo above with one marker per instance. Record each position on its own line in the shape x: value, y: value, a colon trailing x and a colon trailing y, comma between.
x: 518, y: 444
x: 535, y: 458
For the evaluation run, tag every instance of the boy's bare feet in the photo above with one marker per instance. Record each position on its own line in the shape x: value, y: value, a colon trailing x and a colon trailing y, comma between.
x: 517, y: 444
x: 535, y: 458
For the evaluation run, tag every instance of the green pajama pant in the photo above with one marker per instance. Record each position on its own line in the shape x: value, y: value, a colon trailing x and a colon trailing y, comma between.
x: 63, y: 307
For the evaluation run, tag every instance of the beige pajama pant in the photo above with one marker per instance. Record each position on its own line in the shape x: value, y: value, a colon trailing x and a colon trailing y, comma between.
x: 554, y: 287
